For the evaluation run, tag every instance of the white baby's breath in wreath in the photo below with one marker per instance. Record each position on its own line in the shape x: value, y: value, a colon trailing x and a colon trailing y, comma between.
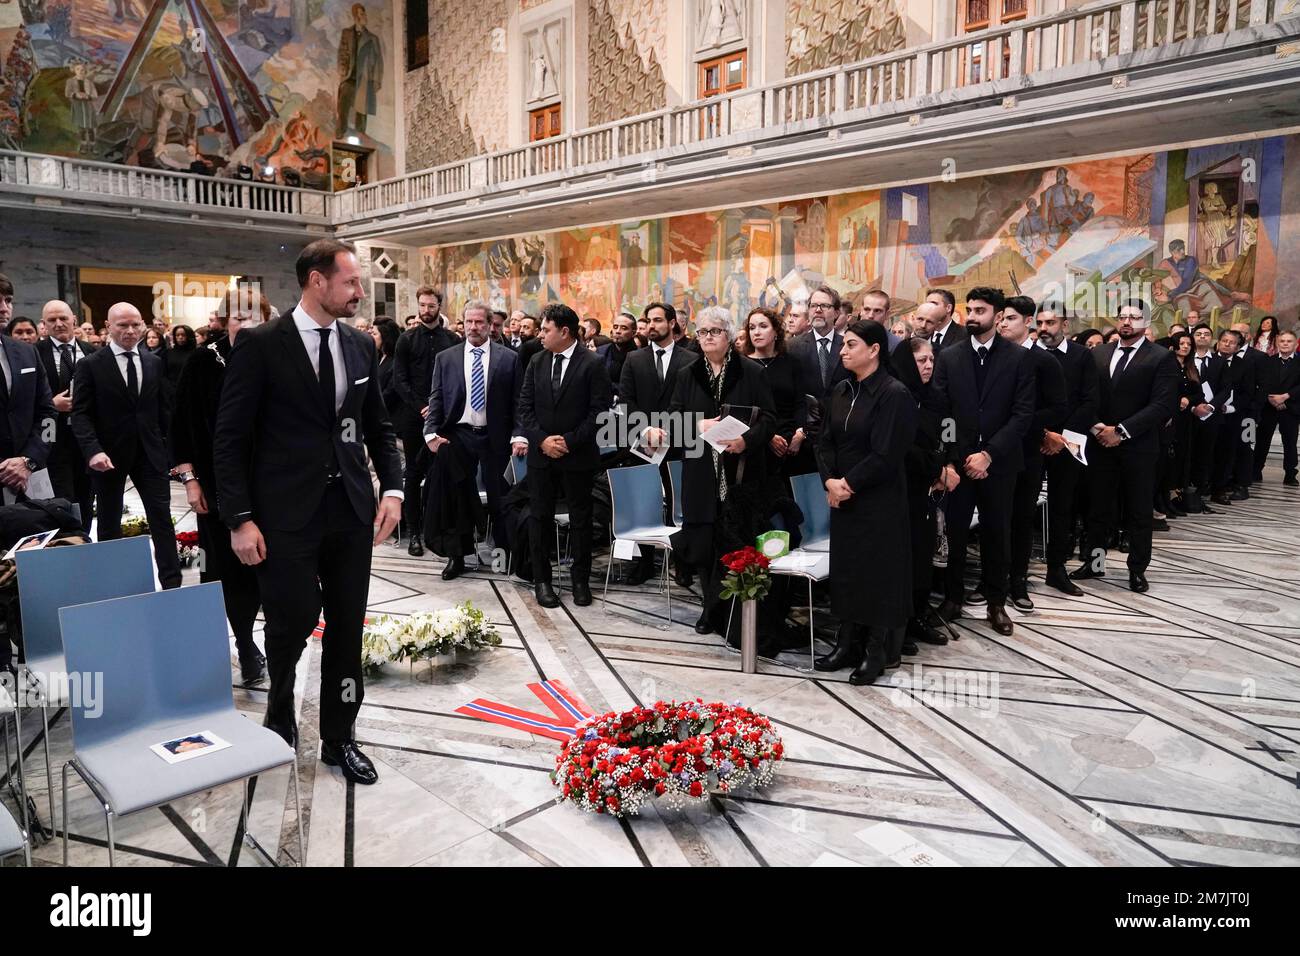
x: 425, y: 635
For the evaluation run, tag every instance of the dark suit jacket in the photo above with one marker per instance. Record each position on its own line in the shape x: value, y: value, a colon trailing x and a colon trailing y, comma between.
x: 1283, y: 378
x: 804, y: 349
x: 1049, y: 400
x: 1216, y: 376
x: 529, y: 348
x: 413, y: 368
x: 573, y: 412
x: 450, y: 392
x: 1249, y: 365
x: 639, y: 387
x: 614, y: 355
x: 273, y: 440
x: 1080, y: 372
x: 995, y: 421
x: 31, y: 410
x: 104, y: 418
x: 955, y: 335
x: 65, y: 443
x: 1143, y: 397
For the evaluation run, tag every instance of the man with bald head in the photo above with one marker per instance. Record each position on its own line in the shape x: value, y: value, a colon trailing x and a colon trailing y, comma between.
x: 119, y: 419
x: 59, y: 353
x: 929, y: 316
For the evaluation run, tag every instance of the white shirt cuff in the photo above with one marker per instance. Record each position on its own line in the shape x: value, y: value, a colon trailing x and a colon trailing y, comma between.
x: 519, y: 439
x: 394, y: 493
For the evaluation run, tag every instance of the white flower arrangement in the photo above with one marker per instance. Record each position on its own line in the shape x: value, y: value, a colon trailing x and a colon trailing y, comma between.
x: 425, y: 635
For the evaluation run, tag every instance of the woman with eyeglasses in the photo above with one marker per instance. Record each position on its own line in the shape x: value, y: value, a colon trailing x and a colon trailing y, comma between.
x: 722, y: 488
x: 194, y: 422
x: 870, y: 424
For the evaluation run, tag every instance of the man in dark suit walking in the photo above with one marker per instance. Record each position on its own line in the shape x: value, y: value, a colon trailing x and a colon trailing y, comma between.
x: 984, y: 392
x: 1049, y: 412
x: 1138, y: 393
x: 59, y: 353
x: 300, y: 407
x: 473, y: 409
x: 646, y: 390
x: 566, y: 390
x: 1281, y: 410
x: 412, y: 378
x: 1080, y: 413
x: 120, y: 419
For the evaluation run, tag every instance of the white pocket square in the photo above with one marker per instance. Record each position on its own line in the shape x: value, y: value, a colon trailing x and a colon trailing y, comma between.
x: 362, y: 381
x: 26, y: 370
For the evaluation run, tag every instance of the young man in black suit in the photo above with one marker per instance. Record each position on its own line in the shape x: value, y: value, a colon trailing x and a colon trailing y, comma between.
x: 1049, y: 412
x: 1139, y: 392
x: 60, y: 352
x: 300, y: 407
x: 412, y: 377
x: 984, y: 392
x: 646, y: 387
x: 566, y: 391
x: 1063, y: 471
x: 473, y: 409
x: 119, y: 417
x: 1256, y: 370
x: 947, y: 331
x: 1208, y: 413
x: 1281, y: 411
x: 1241, y: 383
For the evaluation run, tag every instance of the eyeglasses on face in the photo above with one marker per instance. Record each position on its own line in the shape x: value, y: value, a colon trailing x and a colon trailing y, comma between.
x: 819, y: 306
x: 708, y: 333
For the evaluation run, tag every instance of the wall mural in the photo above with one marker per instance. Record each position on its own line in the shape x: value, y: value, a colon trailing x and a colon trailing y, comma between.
x: 1196, y: 229
x: 197, y: 85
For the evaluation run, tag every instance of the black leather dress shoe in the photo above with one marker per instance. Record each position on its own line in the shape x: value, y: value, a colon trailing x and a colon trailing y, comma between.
x: 683, y: 578
x: 581, y: 593
x: 1086, y: 573
x: 355, y: 765
x: 1291, y: 482
x: 847, y: 653
x: 252, y: 669
x: 1057, y: 578
x: 416, y: 548
x: 910, y: 648
x: 287, y: 729
x: 948, y: 610
x: 1241, y: 494
x: 999, y: 621
x: 920, y: 631
x: 1221, y: 499
x: 702, y: 626
x: 976, y: 597
x: 1137, y: 581
x: 454, y: 569
x: 1022, y: 600
x: 545, y: 594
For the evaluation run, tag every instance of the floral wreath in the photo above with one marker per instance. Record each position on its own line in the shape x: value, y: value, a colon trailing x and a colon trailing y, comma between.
x: 681, y: 751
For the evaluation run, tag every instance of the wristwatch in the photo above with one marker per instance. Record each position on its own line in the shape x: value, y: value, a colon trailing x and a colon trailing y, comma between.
x: 31, y: 464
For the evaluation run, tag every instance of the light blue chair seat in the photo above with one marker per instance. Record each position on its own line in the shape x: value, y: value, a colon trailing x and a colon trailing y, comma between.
x: 12, y: 838
x: 810, y: 496
x: 636, y: 502
x: 165, y: 664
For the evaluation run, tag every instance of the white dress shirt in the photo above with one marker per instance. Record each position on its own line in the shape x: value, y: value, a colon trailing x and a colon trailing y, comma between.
x: 1063, y: 348
x: 309, y: 329
x: 976, y: 344
x: 119, y: 354
x: 568, y: 360
x: 1114, y: 359
x: 469, y: 416
x: 656, y: 348
x: 942, y: 333
x: 58, y: 354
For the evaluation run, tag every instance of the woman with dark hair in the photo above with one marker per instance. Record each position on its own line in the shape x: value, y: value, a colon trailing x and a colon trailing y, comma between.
x: 386, y: 333
x: 765, y: 344
x: 23, y: 329
x: 194, y: 422
x: 1266, y: 337
x: 927, y: 474
x: 153, y: 341
x: 1110, y: 335
x: 870, y: 423
x: 183, y: 346
x: 723, y: 500
x: 1190, y: 394
x: 1089, y: 338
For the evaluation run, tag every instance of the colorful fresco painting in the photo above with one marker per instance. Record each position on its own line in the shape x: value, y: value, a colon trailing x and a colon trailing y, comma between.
x: 197, y: 85
x: 1194, y: 229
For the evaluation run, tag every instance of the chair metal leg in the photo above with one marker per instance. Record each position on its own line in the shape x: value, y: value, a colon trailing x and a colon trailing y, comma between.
x: 812, y: 634
x: 668, y: 589
x: 66, y: 765
x: 49, y: 773
x: 297, y: 812
x: 108, y: 825
x: 21, y: 792
x: 609, y: 566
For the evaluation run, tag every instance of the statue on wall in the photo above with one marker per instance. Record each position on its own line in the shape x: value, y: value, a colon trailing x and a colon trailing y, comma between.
x: 361, y: 74
x: 719, y: 22
x: 542, y: 82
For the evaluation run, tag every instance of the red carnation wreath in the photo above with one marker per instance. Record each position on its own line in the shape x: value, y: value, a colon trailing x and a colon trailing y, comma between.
x: 680, y: 751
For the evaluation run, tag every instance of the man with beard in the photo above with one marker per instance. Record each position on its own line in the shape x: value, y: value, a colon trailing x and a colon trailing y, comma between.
x: 622, y: 344
x: 1139, y: 393
x: 300, y: 408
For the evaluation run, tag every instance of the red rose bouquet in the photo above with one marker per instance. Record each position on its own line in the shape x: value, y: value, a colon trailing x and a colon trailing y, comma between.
x: 681, y: 751
x: 187, y: 542
x: 747, y: 575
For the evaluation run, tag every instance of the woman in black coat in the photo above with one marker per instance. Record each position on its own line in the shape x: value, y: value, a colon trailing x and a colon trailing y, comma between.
x: 194, y: 422
x: 765, y: 344
x: 870, y: 423
x: 385, y: 333
x: 722, y: 491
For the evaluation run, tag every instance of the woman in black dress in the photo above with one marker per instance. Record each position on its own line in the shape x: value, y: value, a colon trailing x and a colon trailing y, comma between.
x: 765, y: 344
x: 198, y: 396
x: 723, y: 500
x: 385, y: 333
x: 870, y: 423
x: 1189, y: 395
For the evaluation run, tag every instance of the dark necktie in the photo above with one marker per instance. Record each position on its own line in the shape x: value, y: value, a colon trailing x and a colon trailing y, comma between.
x: 982, y: 368
x: 1205, y: 364
x: 824, y: 359
x: 132, y: 383
x: 326, y: 374
x: 65, y: 367
x: 937, y: 340
x: 557, y: 372
x: 478, y: 387
x: 1127, y: 353
x: 659, y: 364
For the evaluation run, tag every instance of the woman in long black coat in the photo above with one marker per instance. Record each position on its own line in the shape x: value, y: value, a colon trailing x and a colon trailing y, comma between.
x: 194, y: 422
x: 870, y: 423
x: 722, y: 491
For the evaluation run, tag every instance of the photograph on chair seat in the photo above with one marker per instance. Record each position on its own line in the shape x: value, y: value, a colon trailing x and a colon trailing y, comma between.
x: 187, y: 748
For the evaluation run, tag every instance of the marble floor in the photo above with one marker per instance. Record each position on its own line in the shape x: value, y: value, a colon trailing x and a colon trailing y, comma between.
x: 1114, y: 729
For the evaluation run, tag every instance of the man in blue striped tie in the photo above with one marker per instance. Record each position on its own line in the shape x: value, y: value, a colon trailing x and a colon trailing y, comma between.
x: 471, y: 429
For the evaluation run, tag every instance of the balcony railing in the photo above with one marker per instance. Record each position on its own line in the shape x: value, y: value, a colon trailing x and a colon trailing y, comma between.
x: 65, y: 178
x: 1070, y: 41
